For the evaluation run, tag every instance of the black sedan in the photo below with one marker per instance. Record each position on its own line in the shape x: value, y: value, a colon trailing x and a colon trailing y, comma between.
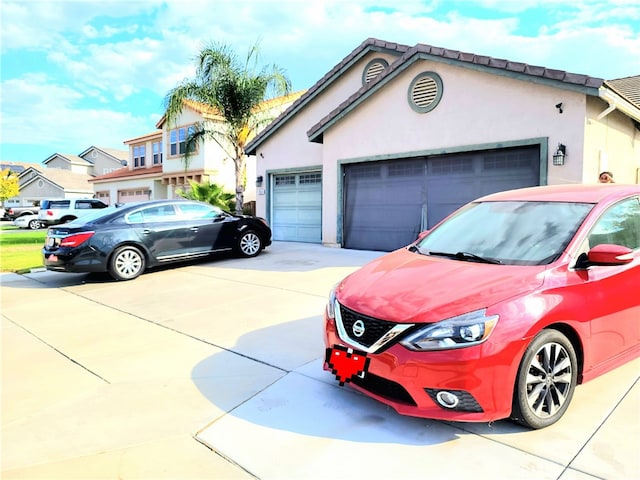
x: 127, y: 240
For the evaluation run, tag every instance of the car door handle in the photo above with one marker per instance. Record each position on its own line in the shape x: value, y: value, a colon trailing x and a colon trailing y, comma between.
x: 146, y: 231
x: 194, y: 229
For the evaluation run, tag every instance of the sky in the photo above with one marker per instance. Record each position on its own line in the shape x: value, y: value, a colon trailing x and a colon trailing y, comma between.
x: 82, y: 73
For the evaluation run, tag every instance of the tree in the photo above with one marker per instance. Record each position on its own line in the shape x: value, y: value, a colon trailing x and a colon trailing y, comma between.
x: 236, y: 92
x: 211, y: 193
x: 9, y: 186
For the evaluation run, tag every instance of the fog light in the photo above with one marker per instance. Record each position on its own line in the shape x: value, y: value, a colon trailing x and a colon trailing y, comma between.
x: 447, y: 399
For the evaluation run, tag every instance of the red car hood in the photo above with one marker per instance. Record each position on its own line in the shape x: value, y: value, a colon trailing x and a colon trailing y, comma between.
x: 407, y: 287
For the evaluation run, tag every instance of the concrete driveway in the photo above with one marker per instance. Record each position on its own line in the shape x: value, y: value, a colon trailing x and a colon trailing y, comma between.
x: 213, y: 371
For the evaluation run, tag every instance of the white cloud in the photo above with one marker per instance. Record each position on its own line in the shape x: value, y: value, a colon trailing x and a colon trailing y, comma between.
x: 52, y: 115
x: 112, y: 53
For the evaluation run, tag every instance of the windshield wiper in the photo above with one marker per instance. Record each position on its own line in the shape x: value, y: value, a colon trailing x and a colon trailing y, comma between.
x: 466, y: 256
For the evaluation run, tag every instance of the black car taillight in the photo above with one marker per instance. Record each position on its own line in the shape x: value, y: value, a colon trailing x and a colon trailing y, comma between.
x: 76, y: 239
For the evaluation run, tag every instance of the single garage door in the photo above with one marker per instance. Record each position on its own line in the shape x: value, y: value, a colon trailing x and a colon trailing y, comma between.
x: 296, y: 207
x: 128, y: 196
x: 387, y: 204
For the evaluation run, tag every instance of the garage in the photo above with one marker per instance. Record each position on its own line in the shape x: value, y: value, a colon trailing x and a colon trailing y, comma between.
x: 388, y: 203
x: 296, y: 207
x: 128, y: 196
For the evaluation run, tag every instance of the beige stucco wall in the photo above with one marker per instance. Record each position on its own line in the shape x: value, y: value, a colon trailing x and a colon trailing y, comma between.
x: 612, y: 143
x: 134, y: 184
x: 102, y: 164
x: 290, y: 148
x: 39, y: 190
x: 477, y: 109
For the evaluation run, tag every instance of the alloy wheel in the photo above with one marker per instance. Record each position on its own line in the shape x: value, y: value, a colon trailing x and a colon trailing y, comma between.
x: 250, y: 244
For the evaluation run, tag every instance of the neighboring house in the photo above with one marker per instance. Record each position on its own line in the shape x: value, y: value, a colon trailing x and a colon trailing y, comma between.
x: 18, y: 168
x: 37, y: 184
x: 394, y: 138
x: 156, y: 166
x: 65, y: 175
x: 93, y: 161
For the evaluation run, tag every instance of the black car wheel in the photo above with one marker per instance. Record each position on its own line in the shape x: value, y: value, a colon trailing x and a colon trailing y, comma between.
x: 126, y: 263
x: 546, y: 380
x: 34, y: 224
x: 249, y: 244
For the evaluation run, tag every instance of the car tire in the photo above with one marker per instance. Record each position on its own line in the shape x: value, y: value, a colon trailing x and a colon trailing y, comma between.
x: 249, y: 244
x: 127, y: 263
x: 546, y: 380
x: 34, y: 224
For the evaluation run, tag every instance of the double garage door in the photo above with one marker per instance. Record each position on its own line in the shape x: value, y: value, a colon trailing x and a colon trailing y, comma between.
x: 387, y: 204
x: 128, y: 196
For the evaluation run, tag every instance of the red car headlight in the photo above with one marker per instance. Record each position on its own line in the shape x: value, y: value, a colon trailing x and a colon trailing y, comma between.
x: 465, y: 330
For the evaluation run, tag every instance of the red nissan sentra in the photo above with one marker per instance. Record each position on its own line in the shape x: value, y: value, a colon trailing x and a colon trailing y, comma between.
x: 499, y: 311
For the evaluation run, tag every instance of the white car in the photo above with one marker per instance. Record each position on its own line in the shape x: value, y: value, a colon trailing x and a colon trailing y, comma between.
x: 28, y: 221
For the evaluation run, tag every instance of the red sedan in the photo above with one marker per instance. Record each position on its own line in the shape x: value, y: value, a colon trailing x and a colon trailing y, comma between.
x: 499, y: 311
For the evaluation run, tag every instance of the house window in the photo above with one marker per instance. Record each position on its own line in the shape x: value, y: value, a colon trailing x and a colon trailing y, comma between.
x: 157, y: 153
x: 138, y: 156
x: 177, y: 140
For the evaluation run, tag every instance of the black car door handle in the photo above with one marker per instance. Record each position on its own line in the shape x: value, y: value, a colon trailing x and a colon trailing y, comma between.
x: 146, y: 231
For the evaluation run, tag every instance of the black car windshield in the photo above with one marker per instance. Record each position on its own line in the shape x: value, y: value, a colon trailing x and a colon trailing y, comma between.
x: 511, y: 233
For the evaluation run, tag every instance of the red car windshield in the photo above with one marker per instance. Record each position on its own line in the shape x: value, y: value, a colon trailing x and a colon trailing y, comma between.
x: 510, y: 232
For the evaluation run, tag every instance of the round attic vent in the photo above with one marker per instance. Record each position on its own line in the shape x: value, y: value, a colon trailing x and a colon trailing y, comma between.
x: 374, y: 68
x: 425, y: 92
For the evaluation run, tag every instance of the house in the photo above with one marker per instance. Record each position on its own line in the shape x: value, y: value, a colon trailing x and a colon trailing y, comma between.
x: 17, y: 168
x: 156, y: 165
x: 395, y: 137
x: 37, y: 184
x: 93, y: 161
x: 64, y: 175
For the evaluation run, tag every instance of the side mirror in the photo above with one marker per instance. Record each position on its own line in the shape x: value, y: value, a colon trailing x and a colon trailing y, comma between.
x: 606, y: 254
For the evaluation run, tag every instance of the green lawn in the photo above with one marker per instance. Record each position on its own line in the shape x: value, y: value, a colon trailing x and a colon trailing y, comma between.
x: 20, y: 252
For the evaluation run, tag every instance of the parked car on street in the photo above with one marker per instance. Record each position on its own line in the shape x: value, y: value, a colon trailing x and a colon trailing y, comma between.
x: 63, y: 210
x: 12, y: 213
x: 27, y: 221
x: 127, y: 240
x: 499, y: 311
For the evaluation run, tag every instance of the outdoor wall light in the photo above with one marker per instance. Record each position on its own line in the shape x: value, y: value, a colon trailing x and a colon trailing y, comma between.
x: 259, y: 180
x: 561, y: 153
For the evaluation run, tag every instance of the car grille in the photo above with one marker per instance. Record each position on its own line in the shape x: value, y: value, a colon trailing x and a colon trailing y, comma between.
x: 384, y: 388
x: 374, y: 328
x: 375, y: 335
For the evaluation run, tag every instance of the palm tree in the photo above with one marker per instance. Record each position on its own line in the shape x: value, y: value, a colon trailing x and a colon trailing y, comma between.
x: 235, y: 91
x: 211, y: 193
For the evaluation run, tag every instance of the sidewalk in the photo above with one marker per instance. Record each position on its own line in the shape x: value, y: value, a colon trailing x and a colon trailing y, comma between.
x: 213, y: 371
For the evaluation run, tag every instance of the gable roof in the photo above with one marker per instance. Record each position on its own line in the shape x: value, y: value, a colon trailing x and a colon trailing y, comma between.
x: 211, y: 113
x: 143, y: 138
x: 628, y: 88
x: 557, y: 78
x: 73, y: 159
x: 124, y: 173
x: 116, y: 154
x: 369, y: 45
x: 19, y: 167
x: 64, y: 179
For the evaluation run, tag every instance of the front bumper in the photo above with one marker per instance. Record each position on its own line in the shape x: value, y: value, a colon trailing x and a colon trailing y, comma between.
x: 481, y: 376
